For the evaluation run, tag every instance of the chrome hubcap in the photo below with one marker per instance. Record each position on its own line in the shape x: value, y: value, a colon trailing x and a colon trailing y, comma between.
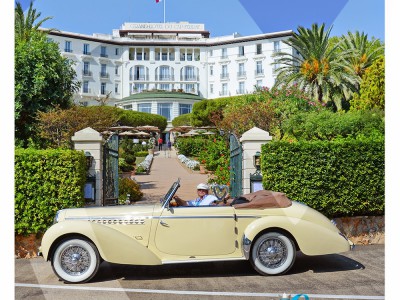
x: 75, y: 260
x: 272, y: 253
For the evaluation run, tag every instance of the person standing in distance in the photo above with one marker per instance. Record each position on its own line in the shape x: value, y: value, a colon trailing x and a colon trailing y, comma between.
x: 160, y: 141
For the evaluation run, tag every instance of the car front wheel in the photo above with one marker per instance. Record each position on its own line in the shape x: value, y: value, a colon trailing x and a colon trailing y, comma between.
x: 75, y: 260
x: 273, y: 253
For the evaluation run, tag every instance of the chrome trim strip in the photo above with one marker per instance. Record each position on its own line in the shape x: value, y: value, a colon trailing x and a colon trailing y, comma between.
x: 167, y: 262
x: 248, y: 217
x: 194, y: 217
x: 113, y: 220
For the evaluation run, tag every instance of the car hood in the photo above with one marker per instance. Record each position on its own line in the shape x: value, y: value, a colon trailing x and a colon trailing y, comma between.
x: 107, y: 212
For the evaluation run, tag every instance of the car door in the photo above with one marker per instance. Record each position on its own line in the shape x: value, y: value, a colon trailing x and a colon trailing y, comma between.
x: 196, y: 231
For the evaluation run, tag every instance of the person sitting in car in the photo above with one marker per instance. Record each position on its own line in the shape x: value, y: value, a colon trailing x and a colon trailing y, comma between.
x: 203, y: 199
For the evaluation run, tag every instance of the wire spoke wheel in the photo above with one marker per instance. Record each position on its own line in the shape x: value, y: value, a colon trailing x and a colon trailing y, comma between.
x: 273, y: 253
x: 75, y: 260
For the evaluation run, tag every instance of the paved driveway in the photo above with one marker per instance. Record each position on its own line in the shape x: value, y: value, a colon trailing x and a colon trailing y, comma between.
x: 353, y: 275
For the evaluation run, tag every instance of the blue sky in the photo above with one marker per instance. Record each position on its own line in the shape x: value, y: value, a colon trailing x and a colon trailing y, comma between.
x: 222, y: 17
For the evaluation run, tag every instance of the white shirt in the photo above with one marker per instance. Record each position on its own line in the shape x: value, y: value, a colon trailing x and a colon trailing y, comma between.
x: 207, y: 200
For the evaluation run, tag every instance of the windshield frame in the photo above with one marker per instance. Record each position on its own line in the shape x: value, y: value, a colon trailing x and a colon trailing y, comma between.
x: 171, y: 192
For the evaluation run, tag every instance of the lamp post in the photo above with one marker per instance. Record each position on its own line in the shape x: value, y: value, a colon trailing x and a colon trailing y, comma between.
x: 256, y: 177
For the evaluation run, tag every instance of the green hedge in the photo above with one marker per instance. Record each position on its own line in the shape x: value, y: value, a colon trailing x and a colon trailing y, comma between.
x: 340, y: 178
x: 46, y: 181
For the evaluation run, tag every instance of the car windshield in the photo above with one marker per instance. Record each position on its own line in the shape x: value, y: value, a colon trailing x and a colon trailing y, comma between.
x: 172, y: 190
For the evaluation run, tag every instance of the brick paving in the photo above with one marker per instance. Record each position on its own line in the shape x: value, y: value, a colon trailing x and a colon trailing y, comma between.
x: 166, y: 169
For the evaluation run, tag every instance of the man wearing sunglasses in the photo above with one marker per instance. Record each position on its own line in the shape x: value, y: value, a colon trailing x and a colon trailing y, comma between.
x: 203, y: 199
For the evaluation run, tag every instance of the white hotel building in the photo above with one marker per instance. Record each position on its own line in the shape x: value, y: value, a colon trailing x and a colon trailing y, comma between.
x: 133, y: 64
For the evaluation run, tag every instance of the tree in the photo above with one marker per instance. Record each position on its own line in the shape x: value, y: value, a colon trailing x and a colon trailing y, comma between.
x: 26, y: 25
x: 358, y: 52
x: 316, y: 66
x: 43, y: 78
x: 372, y: 88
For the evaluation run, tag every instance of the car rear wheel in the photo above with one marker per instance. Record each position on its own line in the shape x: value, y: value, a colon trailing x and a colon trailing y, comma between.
x: 75, y: 260
x: 273, y: 253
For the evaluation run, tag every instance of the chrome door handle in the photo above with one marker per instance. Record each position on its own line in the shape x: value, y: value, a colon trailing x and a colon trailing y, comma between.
x: 164, y: 223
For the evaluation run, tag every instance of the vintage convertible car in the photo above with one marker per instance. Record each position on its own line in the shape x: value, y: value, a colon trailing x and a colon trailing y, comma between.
x: 267, y: 231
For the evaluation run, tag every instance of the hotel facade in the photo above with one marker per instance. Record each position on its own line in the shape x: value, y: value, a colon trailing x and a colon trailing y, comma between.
x: 164, y: 68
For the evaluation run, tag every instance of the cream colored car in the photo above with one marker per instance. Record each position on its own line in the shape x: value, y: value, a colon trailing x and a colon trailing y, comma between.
x: 268, y: 236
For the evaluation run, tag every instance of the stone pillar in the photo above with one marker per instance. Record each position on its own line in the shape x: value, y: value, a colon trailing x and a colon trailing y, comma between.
x: 251, y: 142
x: 91, y: 141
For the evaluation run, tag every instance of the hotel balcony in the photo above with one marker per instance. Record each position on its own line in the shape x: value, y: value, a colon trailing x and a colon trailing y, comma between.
x: 190, y: 78
x: 259, y: 73
x: 87, y: 73
x: 139, y: 77
x: 104, y: 75
x: 224, y: 76
x: 241, y: 74
x: 165, y: 78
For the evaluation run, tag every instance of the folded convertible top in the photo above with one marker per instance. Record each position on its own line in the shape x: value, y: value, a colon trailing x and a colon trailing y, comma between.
x: 265, y: 199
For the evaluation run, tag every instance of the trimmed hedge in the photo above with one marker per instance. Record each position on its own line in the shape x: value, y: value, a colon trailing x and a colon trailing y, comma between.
x: 337, y: 178
x: 46, y: 181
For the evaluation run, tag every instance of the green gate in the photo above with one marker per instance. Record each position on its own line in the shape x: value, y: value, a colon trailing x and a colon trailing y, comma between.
x: 110, y: 171
x: 235, y: 166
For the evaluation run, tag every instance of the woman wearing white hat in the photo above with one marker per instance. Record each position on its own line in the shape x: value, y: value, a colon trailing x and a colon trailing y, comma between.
x: 203, y: 198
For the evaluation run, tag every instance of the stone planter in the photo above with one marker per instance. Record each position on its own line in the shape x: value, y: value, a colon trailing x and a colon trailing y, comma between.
x: 151, y: 151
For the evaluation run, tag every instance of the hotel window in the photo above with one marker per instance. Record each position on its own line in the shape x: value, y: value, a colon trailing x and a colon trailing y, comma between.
x: 211, y: 70
x: 189, y: 54
x: 241, y: 87
x: 165, y: 73
x: 259, y: 49
x: 171, y: 54
x: 211, y: 53
x: 144, y: 107
x: 275, y: 66
x: 117, y: 70
x: 259, y: 69
x: 164, y: 54
x: 224, y: 89
x: 241, y: 50
x: 68, y: 46
x: 139, y: 54
x: 127, y: 107
x: 116, y: 51
x: 103, y: 72
x: 116, y: 90
x: 224, y: 73
x: 189, y: 88
x: 165, y: 110
x: 86, y: 49
x: 241, y: 70
x: 185, y: 109
x: 85, y: 87
x: 277, y: 46
x: 182, y: 55
x: 165, y: 87
x: 103, y: 51
x: 190, y: 73
x: 211, y: 88
x: 103, y: 88
x: 138, y: 87
x: 86, y: 68
x: 139, y: 73
x: 197, y: 54
x: 259, y: 83
x: 224, y: 53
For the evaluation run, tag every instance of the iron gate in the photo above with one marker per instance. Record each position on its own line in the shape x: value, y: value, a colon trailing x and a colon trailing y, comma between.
x: 110, y: 171
x: 235, y: 166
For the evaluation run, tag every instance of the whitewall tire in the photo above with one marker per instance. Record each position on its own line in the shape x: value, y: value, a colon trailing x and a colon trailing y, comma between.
x: 75, y: 260
x: 273, y: 253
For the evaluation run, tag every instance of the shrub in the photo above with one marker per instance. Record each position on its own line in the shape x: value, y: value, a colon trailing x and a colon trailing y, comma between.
x: 45, y: 182
x: 340, y: 178
x: 142, y: 153
x: 127, y: 186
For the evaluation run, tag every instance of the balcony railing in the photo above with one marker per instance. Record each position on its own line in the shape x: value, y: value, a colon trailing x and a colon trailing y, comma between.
x: 103, y: 92
x: 86, y: 91
x: 87, y: 53
x: 165, y: 77
x: 190, y: 78
x: 68, y: 50
x: 139, y: 77
x: 86, y: 73
x: 259, y: 72
x: 103, y: 55
x: 104, y: 75
x: 224, y: 76
x: 241, y: 74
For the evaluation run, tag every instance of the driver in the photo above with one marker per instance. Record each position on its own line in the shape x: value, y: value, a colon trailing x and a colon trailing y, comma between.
x: 203, y: 199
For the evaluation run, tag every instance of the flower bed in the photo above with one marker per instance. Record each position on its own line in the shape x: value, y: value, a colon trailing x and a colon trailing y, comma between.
x: 190, y: 163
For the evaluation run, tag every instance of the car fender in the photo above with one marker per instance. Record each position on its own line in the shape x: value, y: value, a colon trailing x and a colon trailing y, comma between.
x: 113, y: 246
x: 312, y: 238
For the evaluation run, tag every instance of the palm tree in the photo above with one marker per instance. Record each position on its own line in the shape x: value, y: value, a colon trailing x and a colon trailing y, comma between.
x: 358, y: 53
x: 27, y: 24
x: 314, y: 65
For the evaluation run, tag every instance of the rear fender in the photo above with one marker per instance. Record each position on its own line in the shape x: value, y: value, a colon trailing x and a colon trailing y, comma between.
x: 113, y: 246
x: 312, y: 238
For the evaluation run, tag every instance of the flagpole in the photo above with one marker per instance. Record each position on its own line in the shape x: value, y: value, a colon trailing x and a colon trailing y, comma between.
x: 164, y: 10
